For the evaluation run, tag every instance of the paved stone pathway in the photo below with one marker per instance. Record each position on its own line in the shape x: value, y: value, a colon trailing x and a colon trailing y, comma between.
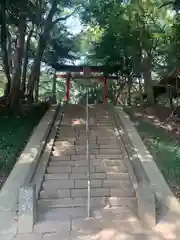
x: 62, y: 204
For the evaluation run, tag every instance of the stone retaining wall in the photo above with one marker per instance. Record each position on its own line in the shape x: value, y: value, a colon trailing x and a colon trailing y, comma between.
x: 146, y: 169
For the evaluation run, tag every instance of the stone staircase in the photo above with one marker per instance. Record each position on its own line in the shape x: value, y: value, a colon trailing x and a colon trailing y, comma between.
x: 62, y: 204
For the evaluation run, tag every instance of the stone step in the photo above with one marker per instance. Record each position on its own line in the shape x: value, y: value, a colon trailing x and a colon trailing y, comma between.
x: 117, y: 176
x: 82, y: 157
x: 95, y: 183
x: 126, y: 227
x: 112, y: 162
x: 111, y: 169
x: 106, y: 141
x: 93, y: 162
x: 84, y: 144
x: 65, y: 193
x: 82, y: 202
x: 126, y: 192
x: 77, y: 163
x: 83, y: 141
x: 64, y: 151
x: 95, y: 192
x: 83, y: 147
x: 59, y: 214
x: 55, y: 182
x: 113, y: 213
x: 117, y: 184
x: 85, y: 176
x: 56, y: 176
x: 83, y: 183
x: 58, y: 184
x: 60, y: 154
x: 54, y: 194
x: 63, y: 138
x: 58, y: 170
x: 60, y: 158
x: 61, y: 163
x: 60, y: 203
x: 111, y: 156
x: 109, y: 151
x: 109, y: 146
x: 83, y: 151
x: 110, y: 176
x: 64, y: 144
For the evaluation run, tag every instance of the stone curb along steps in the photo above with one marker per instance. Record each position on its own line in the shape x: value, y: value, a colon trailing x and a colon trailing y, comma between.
x: 23, y: 172
x: 142, y: 185
x: 168, y: 211
x: 29, y: 193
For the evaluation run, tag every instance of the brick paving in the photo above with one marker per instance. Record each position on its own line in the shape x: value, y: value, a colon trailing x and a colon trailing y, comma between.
x: 62, y: 204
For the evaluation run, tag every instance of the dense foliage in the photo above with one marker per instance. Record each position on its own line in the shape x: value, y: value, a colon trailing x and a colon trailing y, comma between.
x: 138, y: 40
x: 32, y: 32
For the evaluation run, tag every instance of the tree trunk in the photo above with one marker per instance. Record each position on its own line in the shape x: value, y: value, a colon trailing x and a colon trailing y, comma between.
x: 140, y: 91
x: 24, y: 72
x: 35, y: 69
x: 118, y: 92
x: 129, y: 85
x: 36, y: 92
x: 147, y: 68
x: 14, y: 94
x: 54, y: 89
x: 9, y: 51
x: 4, y: 49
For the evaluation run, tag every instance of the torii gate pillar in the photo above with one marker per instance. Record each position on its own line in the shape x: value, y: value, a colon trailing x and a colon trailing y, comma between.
x: 67, y: 87
x: 105, y: 89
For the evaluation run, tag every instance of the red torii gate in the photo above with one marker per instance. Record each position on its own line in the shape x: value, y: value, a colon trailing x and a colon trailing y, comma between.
x: 87, y: 70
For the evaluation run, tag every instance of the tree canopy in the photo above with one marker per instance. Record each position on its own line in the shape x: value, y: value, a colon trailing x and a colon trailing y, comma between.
x: 136, y: 40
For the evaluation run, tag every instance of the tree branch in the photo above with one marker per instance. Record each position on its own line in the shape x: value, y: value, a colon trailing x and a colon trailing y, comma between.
x: 64, y: 18
x: 167, y: 3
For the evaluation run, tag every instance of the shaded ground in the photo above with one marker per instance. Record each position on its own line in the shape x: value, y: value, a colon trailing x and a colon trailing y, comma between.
x: 162, y: 139
x: 14, y: 134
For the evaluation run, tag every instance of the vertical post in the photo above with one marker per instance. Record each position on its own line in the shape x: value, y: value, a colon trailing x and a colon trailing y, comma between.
x: 105, y: 89
x: 87, y: 73
x: 27, y: 208
x: 87, y: 157
x: 67, y: 87
x: 54, y: 89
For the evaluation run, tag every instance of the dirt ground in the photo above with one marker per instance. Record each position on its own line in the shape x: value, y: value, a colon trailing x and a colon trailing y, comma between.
x: 160, y: 116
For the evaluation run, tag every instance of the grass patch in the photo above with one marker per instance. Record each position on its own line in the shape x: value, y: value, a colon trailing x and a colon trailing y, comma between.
x: 14, y: 134
x: 164, y: 148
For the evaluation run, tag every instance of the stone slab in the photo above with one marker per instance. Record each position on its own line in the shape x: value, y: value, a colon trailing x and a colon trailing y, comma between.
x: 58, y: 184
x: 146, y: 204
x: 31, y: 236
x: 52, y: 226
x: 56, y: 169
x: 95, y: 192
x: 85, y: 176
x: 84, y: 183
x: 56, y: 236
x: 61, y: 203
x: 55, y: 193
x: 55, y: 176
x: 27, y: 209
